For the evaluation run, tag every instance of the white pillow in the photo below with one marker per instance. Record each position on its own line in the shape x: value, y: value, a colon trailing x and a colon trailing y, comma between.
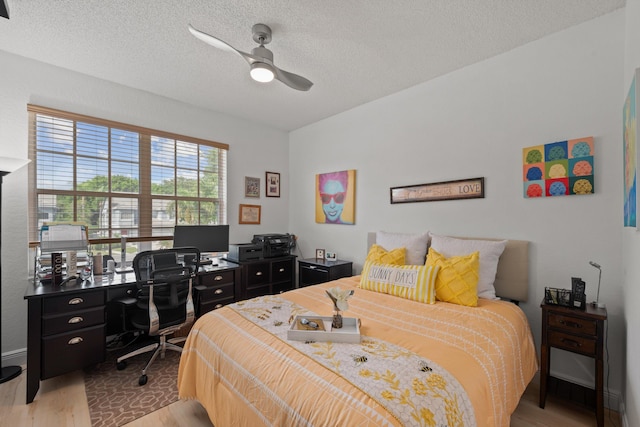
x: 490, y: 251
x: 415, y: 245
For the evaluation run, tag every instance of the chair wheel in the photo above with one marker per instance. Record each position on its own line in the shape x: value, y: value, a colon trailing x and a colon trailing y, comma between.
x: 142, y: 380
x: 121, y: 365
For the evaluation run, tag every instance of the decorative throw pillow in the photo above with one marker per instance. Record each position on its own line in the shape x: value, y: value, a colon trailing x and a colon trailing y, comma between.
x: 414, y: 282
x: 490, y: 251
x: 380, y: 255
x: 415, y: 244
x: 457, y: 280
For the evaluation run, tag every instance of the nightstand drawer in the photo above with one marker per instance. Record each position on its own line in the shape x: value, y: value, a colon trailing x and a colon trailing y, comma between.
x: 572, y: 324
x: 574, y: 343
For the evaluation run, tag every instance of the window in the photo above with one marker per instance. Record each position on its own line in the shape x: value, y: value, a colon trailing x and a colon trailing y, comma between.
x: 121, y: 180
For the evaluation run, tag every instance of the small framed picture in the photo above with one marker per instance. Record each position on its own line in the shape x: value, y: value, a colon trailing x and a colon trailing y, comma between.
x: 319, y: 253
x: 251, y: 187
x: 273, y: 184
x: 249, y: 214
x: 330, y: 256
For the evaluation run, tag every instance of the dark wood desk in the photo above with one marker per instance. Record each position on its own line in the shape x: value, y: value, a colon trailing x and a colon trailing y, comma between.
x: 68, y: 325
x: 578, y: 331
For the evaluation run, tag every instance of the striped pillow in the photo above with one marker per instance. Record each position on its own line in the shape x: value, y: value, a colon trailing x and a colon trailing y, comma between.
x: 414, y: 282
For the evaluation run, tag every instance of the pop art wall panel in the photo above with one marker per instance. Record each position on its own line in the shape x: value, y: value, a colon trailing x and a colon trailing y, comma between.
x: 562, y: 168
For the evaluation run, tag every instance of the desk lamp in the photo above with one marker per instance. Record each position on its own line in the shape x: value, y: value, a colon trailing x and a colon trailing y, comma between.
x: 7, y: 165
x: 597, y: 302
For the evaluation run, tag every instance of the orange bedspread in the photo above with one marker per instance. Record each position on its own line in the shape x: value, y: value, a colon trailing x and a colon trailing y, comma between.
x: 246, y: 376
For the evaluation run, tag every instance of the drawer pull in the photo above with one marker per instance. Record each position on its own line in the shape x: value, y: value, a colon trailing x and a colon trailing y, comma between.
x: 75, y: 301
x: 572, y: 343
x: 259, y: 273
x: 218, y: 277
x: 312, y: 267
x: 76, y: 340
x: 571, y: 324
x: 218, y: 306
x: 218, y: 291
x: 76, y: 319
x: 281, y: 270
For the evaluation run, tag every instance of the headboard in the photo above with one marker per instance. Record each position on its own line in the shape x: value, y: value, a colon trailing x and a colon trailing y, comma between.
x: 512, y: 277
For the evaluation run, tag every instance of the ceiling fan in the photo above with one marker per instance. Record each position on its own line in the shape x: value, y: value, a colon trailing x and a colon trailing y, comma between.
x: 260, y: 59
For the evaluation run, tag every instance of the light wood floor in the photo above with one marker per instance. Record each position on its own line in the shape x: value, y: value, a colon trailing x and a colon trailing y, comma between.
x: 62, y: 401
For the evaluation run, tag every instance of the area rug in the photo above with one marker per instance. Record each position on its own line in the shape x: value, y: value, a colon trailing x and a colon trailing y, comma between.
x: 115, y: 398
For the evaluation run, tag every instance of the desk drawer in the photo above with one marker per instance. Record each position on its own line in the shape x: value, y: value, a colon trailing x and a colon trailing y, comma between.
x: 215, y: 293
x: 71, y: 351
x: 257, y: 274
x: 572, y: 324
x: 574, y: 343
x: 279, y: 288
x: 217, y: 278
x: 72, y: 321
x: 72, y: 302
x: 208, y: 306
x: 281, y: 270
x: 258, y: 291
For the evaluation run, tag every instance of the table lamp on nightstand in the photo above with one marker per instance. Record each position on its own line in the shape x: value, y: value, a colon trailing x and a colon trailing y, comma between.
x: 597, y: 302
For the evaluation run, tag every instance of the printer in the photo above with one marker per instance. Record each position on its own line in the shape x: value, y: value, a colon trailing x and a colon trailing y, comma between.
x: 274, y: 245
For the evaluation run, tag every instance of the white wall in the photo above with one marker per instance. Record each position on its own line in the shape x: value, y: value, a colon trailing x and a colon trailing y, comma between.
x: 631, y: 242
x: 254, y: 149
x: 474, y: 123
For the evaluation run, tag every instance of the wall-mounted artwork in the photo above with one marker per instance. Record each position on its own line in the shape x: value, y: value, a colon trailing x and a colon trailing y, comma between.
x: 630, y: 129
x: 336, y: 197
x: 562, y: 168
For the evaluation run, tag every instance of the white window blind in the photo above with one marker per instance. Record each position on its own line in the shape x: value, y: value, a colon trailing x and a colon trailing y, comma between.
x: 121, y: 179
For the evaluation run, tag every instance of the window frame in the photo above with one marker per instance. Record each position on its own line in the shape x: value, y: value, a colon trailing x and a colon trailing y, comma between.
x: 144, y: 196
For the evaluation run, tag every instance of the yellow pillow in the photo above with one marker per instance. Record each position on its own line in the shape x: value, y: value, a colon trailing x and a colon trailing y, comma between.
x: 457, y: 280
x: 380, y: 255
x: 414, y: 282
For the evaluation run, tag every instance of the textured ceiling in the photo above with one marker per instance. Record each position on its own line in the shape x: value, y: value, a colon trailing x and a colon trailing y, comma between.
x: 354, y: 51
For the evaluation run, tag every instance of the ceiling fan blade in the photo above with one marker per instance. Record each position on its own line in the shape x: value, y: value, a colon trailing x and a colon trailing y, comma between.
x: 292, y: 80
x: 215, y: 42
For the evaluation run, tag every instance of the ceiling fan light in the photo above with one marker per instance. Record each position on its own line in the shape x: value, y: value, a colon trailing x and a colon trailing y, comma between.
x: 261, y: 72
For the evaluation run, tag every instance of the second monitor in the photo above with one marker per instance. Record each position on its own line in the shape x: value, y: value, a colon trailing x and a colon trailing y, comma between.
x: 207, y: 238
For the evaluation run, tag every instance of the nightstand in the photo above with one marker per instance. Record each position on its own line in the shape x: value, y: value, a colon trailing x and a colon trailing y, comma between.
x: 312, y: 271
x: 581, y: 332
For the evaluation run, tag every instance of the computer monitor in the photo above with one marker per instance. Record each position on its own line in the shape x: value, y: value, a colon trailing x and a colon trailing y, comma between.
x: 207, y: 238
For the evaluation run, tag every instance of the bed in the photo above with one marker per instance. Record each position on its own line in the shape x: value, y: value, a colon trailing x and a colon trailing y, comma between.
x: 417, y: 364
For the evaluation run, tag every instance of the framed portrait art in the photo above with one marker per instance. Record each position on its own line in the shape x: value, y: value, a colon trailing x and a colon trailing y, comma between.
x: 249, y: 214
x: 335, y: 197
x: 251, y: 187
x: 273, y: 184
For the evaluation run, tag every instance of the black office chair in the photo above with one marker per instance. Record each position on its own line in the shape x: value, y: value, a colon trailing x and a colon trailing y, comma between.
x: 164, y: 302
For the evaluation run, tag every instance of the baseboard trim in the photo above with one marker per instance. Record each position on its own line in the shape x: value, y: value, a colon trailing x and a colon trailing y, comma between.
x: 15, y: 357
x: 612, y: 400
x: 623, y: 415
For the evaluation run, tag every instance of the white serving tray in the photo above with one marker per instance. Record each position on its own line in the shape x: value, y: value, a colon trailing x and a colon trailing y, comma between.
x: 349, y: 333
